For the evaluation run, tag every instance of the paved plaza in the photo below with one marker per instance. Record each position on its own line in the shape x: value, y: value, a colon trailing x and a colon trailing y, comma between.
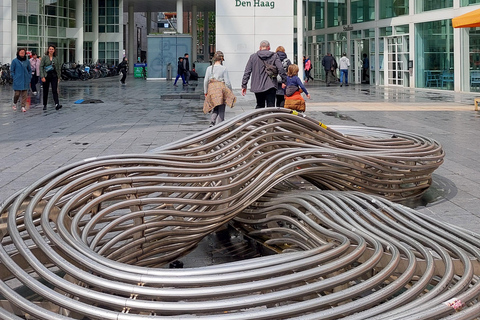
x: 143, y: 115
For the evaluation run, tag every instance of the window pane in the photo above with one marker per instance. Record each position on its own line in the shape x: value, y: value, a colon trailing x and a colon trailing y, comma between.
x: 22, y: 29
x: 427, y: 5
x: 393, y: 8
x: 317, y: 14
x: 33, y: 19
x: 434, y: 54
x: 22, y: 19
x: 337, y: 13
x: 362, y: 10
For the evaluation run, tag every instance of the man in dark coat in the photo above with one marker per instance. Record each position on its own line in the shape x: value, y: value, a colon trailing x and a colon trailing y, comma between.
x: 186, y: 67
x: 263, y: 85
x: 329, y: 64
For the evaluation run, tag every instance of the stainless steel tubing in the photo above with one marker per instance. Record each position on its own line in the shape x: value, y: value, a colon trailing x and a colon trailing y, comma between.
x: 91, y: 240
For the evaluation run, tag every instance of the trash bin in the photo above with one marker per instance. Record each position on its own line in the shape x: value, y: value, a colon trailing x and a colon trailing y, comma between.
x: 169, y: 71
x: 138, y: 69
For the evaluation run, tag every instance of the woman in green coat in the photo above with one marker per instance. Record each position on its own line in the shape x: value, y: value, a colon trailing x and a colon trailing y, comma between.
x: 50, y: 70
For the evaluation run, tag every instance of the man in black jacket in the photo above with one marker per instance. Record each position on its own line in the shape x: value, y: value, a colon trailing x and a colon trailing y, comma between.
x: 123, y: 68
x: 186, y: 67
x: 329, y: 64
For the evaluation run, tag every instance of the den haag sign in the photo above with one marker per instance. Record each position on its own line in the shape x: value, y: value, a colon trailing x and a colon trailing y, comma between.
x: 255, y: 3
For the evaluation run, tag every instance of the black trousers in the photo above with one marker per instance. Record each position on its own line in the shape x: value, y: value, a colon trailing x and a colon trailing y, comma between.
x: 51, y: 78
x: 124, y: 75
x: 280, y: 101
x: 33, y: 82
x: 266, y: 97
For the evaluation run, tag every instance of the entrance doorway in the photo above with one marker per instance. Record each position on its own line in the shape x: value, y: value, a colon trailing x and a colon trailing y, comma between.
x: 360, y: 47
x: 318, y: 50
x: 396, y: 61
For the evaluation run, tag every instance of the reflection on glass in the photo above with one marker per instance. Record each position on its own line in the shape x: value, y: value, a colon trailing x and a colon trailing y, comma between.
x: 393, y: 8
x: 427, y: 5
x: 317, y: 14
x: 336, y: 13
x: 434, y: 53
x: 362, y: 10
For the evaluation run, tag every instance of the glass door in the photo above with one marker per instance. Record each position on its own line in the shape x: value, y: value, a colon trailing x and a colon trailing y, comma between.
x: 357, y: 61
x: 396, y: 61
x: 318, y: 50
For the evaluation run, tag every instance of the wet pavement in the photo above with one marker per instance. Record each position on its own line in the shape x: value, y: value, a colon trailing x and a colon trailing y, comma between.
x: 143, y: 115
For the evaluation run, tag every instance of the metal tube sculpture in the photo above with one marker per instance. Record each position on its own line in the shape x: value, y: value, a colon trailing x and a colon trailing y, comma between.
x: 90, y: 240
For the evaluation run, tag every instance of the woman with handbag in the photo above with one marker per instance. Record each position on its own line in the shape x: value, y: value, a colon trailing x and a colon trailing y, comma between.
x: 294, y: 89
x: 50, y: 73
x: 218, y: 90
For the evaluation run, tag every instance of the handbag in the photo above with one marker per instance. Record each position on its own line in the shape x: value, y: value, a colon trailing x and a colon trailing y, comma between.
x: 49, y: 68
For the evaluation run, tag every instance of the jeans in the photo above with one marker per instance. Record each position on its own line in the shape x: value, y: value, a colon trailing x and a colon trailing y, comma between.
x: 266, y: 96
x: 178, y: 76
x: 342, y: 73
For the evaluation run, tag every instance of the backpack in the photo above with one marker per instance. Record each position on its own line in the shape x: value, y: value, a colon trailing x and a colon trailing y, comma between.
x: 285, y: 64
x: 270, y: 69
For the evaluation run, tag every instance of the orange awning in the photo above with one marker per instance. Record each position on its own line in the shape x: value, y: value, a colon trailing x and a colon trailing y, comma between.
x: 467, y: 20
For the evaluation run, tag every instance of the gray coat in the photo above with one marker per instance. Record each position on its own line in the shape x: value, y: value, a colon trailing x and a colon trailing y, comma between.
x: 255, y: 68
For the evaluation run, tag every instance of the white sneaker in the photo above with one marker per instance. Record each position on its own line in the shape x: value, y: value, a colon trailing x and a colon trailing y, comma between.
x: 34, y: 93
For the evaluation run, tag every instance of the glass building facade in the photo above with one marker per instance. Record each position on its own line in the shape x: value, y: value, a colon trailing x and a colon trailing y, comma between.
x: 396, y: 43
x: 44, y: 22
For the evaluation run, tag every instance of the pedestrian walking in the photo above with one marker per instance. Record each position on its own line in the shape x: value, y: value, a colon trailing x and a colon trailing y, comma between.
x: 365, y: 67
x: 307, y: 68
x: 50, y: 73
x: 344, y: 64
x: 263, y: 67
x: 217, y: 89
x: 123, y: 69
x: 280, y: 94
x: 35, y: 66
x: 21, y: 73
x: 329, y: 65
x: 294, y: 89
x: 180, y: 72
x: 186, y: 67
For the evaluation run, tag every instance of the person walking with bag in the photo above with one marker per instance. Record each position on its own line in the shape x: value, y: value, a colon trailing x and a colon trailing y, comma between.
x: 35, y: 66
x: 180, y: 72
x: 294, y: 89
x: 50, y: 73
x: 263, y: 67
x: 344, y: 64
x: 123, y: 69
x: 308, y: 67
x: 21, y: 73
x: 218, y: 90
x: 280, y: 94
x: 329, y: 64
x: 186, y: 67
